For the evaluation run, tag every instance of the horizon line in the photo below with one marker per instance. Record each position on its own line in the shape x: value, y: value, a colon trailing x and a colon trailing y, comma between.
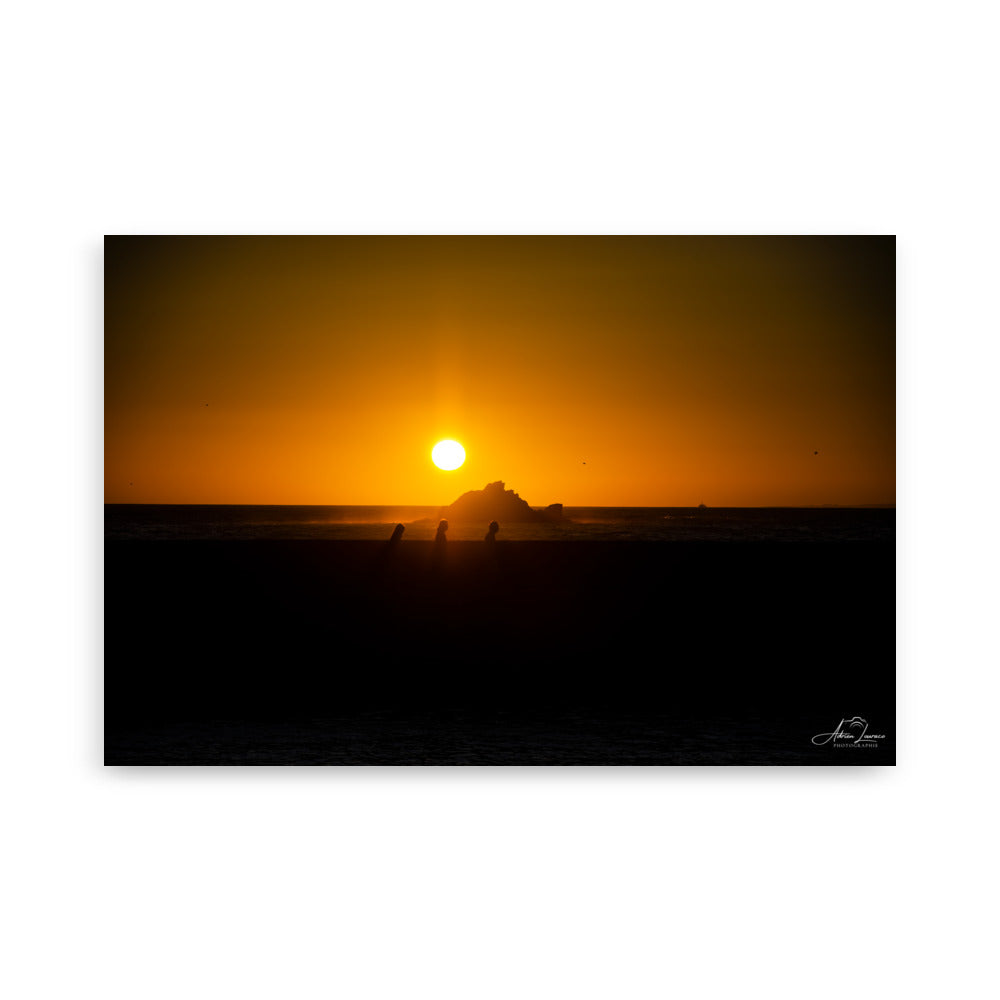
x: 665, y: 506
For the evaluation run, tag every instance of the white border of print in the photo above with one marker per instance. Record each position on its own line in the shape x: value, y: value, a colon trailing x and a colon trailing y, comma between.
x: 541, y: 117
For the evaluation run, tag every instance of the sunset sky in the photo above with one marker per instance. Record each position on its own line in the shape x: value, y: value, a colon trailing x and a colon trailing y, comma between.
x: 603, y: 371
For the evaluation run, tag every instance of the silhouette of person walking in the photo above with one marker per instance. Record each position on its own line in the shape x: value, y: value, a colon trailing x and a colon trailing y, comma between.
x: 491, y: 535
x: 440, y: 541
x: 387, y: 554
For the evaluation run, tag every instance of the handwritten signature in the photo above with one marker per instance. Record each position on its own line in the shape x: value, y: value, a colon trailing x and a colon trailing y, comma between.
x: 849, y: 732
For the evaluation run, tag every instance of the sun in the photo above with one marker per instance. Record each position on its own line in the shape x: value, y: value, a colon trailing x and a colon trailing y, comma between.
x: 448, y: 455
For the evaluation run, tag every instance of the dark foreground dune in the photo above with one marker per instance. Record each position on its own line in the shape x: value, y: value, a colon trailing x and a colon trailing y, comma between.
x: 529, y: 652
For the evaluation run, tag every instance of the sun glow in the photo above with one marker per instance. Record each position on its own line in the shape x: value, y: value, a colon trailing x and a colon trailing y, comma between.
x: 448, y: 455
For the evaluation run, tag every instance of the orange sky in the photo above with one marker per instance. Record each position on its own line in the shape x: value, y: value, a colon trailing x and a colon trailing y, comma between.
x: 681, y: 370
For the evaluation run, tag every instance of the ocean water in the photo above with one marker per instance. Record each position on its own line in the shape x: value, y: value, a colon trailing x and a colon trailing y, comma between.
x: 660, y: 524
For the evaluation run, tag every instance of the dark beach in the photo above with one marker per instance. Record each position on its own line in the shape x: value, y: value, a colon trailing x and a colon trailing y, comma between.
x: 535, y: 652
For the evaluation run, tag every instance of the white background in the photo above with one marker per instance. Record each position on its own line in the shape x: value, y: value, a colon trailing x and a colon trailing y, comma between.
x: 469, y: 117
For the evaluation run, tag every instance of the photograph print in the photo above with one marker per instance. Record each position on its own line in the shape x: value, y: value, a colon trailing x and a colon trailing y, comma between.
x: 468, y: 500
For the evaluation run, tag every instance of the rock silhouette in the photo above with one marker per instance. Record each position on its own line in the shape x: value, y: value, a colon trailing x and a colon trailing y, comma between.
x: 496, y: 503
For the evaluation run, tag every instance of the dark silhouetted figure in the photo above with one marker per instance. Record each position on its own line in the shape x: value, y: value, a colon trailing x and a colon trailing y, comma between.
x: 492, y: 556
x: 440, y: 543
x: 387, y: 555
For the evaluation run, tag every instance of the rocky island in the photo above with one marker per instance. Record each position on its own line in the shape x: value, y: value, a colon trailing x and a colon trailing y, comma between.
x: 496, y: 503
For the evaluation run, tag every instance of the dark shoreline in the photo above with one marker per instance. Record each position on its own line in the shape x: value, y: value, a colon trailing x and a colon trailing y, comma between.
x: 529, y: 652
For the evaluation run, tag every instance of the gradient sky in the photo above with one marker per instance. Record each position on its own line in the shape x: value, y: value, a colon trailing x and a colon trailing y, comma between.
x: 605, y: 371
